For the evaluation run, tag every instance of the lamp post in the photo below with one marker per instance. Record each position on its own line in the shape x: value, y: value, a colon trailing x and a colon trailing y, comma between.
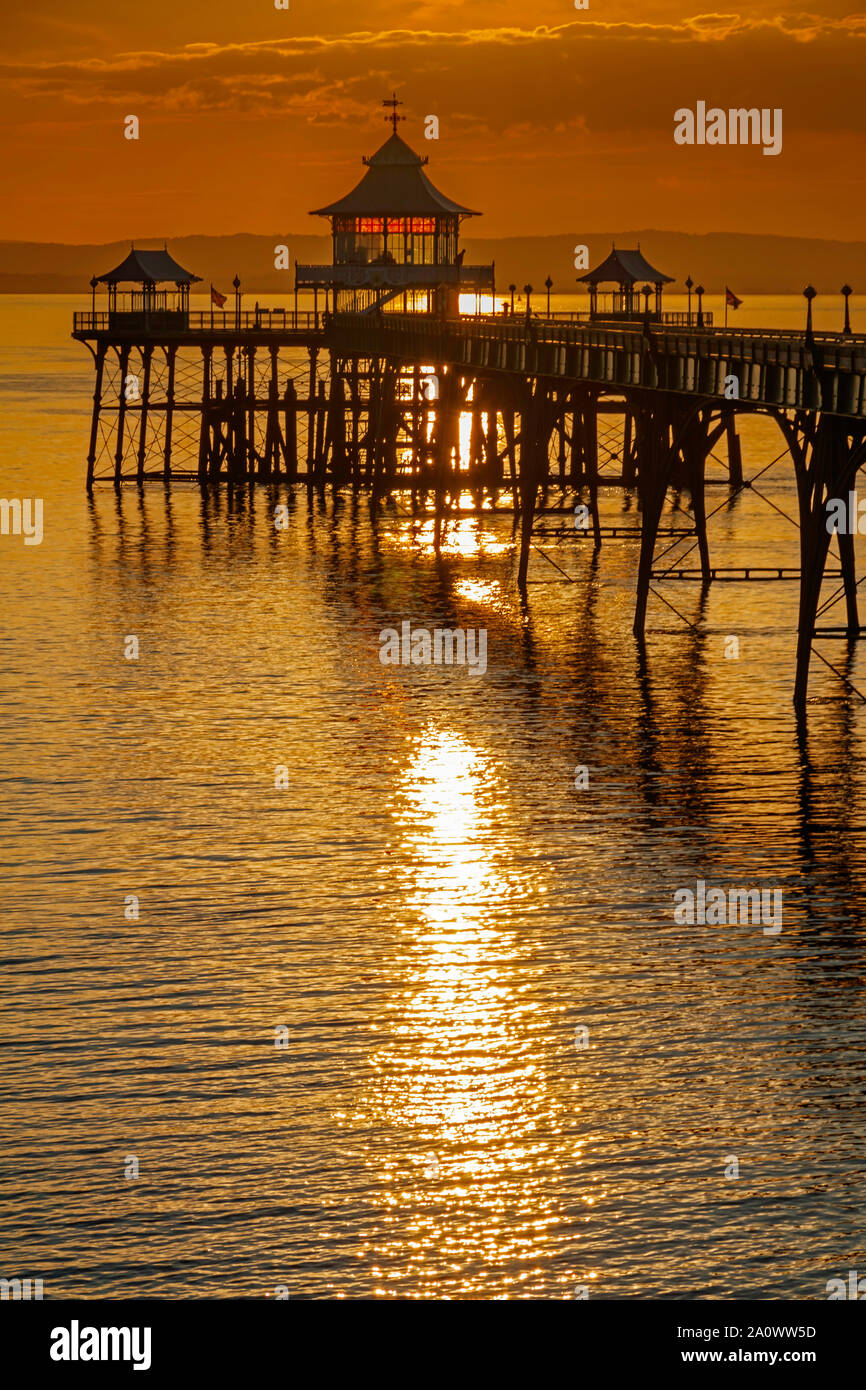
x: 93, y: 283
x: 689, y: 283
x: 847, y: 291
x: 646, y: 292
x: 809, y: 294
x: 527, y: 290
x: 548, y: 285
x: 512, y: 289
x: 237, y: 284
x: 699, y: 291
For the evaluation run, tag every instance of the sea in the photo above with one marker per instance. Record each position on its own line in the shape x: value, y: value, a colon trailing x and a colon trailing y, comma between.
x: 324, y: 978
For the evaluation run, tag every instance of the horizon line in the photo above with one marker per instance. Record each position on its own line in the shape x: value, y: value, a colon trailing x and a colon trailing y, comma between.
x: 507, y: 236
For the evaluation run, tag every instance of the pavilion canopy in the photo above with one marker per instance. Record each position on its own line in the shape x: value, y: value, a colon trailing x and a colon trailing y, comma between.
x: 394, y: 185
x: 625, y: 268
x: 148, y: 268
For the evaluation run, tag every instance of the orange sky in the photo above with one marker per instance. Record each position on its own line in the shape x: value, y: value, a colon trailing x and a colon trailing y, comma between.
x: 551, y: 119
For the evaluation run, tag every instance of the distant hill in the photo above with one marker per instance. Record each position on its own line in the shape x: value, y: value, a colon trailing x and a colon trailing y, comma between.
x: 749, y: 264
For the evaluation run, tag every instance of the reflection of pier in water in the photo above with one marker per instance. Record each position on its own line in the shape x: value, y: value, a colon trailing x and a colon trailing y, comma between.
x: 652, y: 732
x: 433, y: 404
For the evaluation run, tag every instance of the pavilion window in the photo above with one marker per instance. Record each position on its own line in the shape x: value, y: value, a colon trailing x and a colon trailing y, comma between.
x: 358, y: 240
x: 395, y: 247
x: 447, y: 241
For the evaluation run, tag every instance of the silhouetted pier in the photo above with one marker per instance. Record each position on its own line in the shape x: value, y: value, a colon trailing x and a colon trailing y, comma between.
x: 390, y: 387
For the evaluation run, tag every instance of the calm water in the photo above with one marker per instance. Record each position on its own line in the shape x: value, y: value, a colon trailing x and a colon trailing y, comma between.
x: 430, y: 908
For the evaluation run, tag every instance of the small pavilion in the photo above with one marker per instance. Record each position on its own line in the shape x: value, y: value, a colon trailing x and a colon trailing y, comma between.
x: 395, y: 239
x: 624, y: 270
x: 161, y: 299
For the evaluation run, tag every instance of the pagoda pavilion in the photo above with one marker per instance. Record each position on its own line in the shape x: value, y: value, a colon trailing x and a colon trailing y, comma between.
x: 161, y: 299
x: 624, y: 270
x: 395, y: 240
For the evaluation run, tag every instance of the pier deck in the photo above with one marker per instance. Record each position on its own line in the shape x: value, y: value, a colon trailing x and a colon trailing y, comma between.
x: 380, y: 401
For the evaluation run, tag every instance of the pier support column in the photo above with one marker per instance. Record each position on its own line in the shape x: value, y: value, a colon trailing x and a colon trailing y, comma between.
x: 94, y: 421
x: 143, y: 412
x: 827, y: 450
x: 311, y: 414
x: 656, y: 455
x: 575, y: 442
x: 170, y: 355
x: 204, y: 423
x: 290, y: 431
x: 735, y: 455
x: 335, y: 434
x: 451, y: 423
x: 849, y: 578
x: 319, y: 459
x: 357, y: 413
x: 590, y: 448
x: 123, y: 357
x: 251, y: 411
x: 537, y: 418
x: 476, y: 437
x: 814, y: 544
x: 561, y: 439
x: 697, y: 487
x: 374, y: 407
x: 416, y: 418
x: 237, y: 459
x: 628, y: 451
x: 219, y: 434
x: 699, y: 437
x: 509, y: 425
x: 493, y: 457
x: 269, y: 463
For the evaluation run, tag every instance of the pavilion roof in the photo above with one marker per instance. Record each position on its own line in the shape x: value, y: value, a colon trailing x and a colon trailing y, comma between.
x: 148, y: 268
x: 394, y: 185
x: 625, y: 268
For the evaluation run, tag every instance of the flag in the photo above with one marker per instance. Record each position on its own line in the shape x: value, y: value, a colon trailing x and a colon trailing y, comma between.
x: 217, y: 298
x: 731, y: 299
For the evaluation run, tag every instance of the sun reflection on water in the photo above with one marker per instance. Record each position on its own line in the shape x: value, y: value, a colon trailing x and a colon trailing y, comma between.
x: 464, y: 536
x: 479, y: 591
x: 462, y: 1082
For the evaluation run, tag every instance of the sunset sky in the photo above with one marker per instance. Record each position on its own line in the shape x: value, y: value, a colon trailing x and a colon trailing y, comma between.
x: 551, y: 119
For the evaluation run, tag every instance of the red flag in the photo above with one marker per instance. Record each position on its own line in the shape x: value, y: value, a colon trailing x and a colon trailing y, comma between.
x: 217, y: 298
x: 731, y: 299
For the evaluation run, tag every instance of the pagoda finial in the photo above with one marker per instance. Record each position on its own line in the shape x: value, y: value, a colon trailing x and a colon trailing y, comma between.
x: 393, y: 117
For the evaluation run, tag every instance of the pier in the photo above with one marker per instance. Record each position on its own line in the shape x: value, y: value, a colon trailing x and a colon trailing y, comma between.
x: 389, y: 387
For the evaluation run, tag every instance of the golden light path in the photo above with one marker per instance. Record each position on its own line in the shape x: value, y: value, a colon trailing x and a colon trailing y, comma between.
x: 463, y: 1079
x: 465, y: 537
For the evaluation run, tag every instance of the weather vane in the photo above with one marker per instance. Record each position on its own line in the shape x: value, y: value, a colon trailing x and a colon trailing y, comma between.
x: 393, y: 117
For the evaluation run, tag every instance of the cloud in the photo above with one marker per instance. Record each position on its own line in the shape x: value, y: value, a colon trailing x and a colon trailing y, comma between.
x: 610, y: 76
x: 583, y: 110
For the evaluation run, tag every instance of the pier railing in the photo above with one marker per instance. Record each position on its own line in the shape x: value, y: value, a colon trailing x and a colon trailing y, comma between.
x: 676, y: 318
x: 261, y: 320
x: 302, y: 321
x: 821, y: 372
x: 606, y: 333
